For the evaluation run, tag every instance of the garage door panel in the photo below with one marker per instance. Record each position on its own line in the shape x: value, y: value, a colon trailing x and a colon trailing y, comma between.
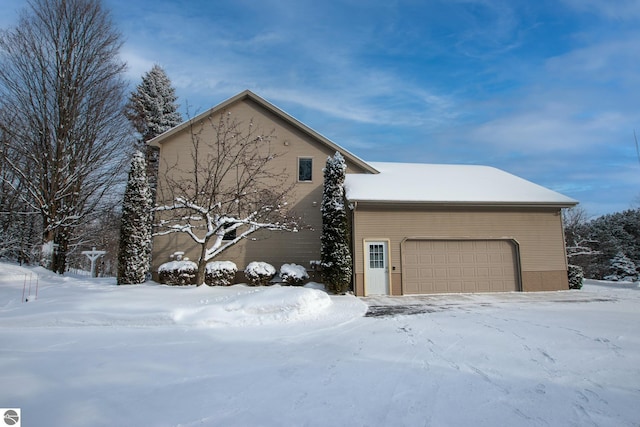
x: 425, y: 258
x: 427, y: 273
x: 468, y: 258
x: 469, y: 272
x: 440, y: 273
x: 455, y: 286
x: 482, y: 272
x: 440, y: 286
x: 413, y: 259
x: 482, y: 258
x: 459, y: 266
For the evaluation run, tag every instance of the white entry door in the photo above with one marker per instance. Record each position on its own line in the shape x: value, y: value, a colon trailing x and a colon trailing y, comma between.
x: 377, y: 268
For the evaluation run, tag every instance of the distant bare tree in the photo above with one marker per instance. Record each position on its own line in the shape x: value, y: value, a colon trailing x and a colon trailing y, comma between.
x: 228, y: 190
x: 60, y: 77
x: 577, y: 234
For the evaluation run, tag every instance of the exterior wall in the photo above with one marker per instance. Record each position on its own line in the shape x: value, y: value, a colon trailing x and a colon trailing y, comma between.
x: 538, y: 232
x: 275, y: 248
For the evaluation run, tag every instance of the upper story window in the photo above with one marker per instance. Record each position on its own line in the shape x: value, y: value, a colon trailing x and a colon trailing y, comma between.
x: 305, y: 167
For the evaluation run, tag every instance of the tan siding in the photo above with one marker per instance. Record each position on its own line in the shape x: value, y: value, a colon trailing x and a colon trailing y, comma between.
x: 544, y: 280
x: 538, y: 232
x: 276, y: 248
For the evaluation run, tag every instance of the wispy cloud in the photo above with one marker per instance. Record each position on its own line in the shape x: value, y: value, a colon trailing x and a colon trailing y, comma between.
x: 619, y: 10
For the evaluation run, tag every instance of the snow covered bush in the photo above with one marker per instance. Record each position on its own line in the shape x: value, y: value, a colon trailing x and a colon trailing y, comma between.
x: 220, y: 273
x: 293, y: 274
x: 259, y: 273
x: 622, y: 268
x: 576, y: 276
x: 178, y: 273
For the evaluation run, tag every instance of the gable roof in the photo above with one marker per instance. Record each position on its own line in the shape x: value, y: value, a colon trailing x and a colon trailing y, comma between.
x: 247, y: 94
x: 449, y: 184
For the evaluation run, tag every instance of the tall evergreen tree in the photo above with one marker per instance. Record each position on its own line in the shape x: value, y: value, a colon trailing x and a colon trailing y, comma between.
x: 152, y: 110
x: 135, y: 229
x: 336, y: 255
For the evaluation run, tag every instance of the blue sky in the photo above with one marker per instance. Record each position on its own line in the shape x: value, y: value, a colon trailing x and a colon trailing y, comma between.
x: 546, y: 90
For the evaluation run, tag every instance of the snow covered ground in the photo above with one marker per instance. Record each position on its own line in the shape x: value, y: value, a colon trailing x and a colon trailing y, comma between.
x: 89, y: 353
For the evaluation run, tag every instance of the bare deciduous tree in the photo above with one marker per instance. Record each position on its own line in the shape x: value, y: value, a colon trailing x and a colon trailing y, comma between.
x: 576, y: 234
x: 229, y: 190
x: 60, y: 77
x: 18, y: 222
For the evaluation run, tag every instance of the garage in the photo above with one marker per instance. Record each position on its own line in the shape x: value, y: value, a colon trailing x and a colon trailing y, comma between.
x: 449, y: 266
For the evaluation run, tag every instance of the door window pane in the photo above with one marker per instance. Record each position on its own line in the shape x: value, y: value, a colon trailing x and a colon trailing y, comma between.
x: 376, y: 256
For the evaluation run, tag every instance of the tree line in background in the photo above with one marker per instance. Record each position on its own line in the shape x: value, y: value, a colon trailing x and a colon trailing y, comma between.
x: 607, y: 247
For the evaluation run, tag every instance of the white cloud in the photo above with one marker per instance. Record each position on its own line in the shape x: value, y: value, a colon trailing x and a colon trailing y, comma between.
x: 137, y: 65
x: 618, y: 9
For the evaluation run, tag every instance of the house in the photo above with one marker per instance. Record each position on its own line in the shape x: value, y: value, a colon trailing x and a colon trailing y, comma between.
x: 416, y: 228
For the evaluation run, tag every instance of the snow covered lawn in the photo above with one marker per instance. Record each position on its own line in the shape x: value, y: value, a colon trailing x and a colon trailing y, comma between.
x: 89, y: 353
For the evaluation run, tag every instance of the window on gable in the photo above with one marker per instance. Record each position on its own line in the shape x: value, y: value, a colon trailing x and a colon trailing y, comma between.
x: 305, y: 166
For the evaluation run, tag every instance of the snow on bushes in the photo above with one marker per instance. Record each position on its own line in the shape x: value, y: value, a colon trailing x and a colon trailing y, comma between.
x: 259, y: 273
x: 293, y: 274
x: 178, y: 273
x: 220, y: 273
x: 576, y: 276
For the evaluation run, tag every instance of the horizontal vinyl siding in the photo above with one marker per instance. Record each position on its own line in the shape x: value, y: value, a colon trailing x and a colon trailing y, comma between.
x: 537, y: 231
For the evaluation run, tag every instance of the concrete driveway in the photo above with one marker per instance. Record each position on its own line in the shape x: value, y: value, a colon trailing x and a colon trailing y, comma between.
x: 384, y: 306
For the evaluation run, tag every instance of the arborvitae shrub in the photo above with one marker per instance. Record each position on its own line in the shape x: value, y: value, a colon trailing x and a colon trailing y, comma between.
x: 220, y: 273
x: 336, y: 255
x: 178, y: 273
x: 259, y: 273
x: 135, y: 230
x: 293, y: 274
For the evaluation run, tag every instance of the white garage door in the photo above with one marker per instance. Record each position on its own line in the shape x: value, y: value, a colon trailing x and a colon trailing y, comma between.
x: 446, y: 266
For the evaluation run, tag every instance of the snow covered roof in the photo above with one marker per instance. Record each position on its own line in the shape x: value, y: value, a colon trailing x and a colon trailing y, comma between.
x: 448, y: 184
